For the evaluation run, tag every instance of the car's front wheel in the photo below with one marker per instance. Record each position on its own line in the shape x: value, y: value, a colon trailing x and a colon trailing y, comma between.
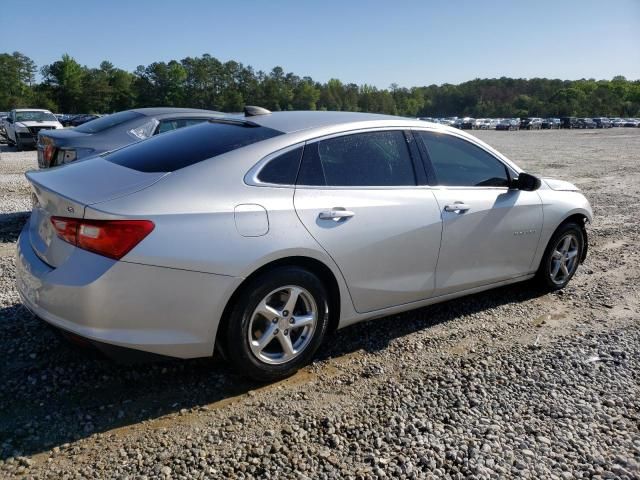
x: 562, y: 256
x: 277, y: 323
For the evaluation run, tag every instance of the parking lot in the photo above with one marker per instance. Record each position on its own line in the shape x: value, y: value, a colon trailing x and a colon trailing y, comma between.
x: 509, y: 382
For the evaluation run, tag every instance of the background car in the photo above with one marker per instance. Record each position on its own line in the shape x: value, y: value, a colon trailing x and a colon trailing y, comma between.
x: 508, y: 124
x: 602, y: 122
x: 22, y: 126
x: 550, y: 123
x: 532, y: 123
x: 585, y: 123
x: 260, y: 235
x: 466, y: 123
x: 568, y: 122
x: 631, y: 122
x: 114, y: 131
x: 80, y: 119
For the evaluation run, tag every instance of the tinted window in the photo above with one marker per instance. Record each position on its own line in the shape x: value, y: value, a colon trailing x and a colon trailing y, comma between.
x: 283, y: 169
x: 363, y: 159
x: 108, y: 121
x: 457, y: 162
x: 174, y: 124
x: 186, y: 146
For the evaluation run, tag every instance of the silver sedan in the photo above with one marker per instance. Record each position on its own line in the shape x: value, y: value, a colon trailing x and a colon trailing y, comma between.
x: 257, y: 235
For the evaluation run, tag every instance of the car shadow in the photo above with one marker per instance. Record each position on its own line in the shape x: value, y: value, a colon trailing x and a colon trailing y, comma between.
x: 11, y: 225
x: 54, y: 392
x: 4, y: 147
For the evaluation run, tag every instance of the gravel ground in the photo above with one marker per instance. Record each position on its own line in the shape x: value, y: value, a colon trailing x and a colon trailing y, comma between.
x: 511, y: 382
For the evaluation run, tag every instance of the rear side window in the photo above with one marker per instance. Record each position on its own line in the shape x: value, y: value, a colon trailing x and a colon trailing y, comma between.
x: 174, y: 124
x: 457, y: 162
x: 367, y: 159
x: 283, y: 169
x: 102, y: 123
x: 186, y: 146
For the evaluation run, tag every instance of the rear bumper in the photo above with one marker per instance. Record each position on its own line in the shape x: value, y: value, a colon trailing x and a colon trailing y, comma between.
x: 152, y: 309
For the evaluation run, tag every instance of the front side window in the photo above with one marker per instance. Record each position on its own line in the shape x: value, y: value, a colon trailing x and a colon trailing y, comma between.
x: 369, y: 159
x: 459, y: 163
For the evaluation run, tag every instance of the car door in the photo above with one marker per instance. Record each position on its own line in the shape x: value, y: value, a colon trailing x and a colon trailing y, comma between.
x: 490, y: 232
x: 358, y: 196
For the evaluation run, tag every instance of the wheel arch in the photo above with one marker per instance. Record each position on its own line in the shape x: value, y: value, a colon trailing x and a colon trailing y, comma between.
x: 580, y: 218
x: 320, y: 269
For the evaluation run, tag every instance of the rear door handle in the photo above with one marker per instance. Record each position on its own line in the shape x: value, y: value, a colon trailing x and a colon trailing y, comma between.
x: 457, y: 207
x: 336, y: 214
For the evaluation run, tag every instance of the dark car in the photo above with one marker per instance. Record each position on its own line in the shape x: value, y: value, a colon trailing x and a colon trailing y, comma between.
x: 568, y: 122
x: 585, y: 123
x: 57, y: 147
x: 531, y: 123
x: 602, y: 122
x: 508, y: 124
x: 465, y: 123
x: 550, y: 123
x: 80, y: 119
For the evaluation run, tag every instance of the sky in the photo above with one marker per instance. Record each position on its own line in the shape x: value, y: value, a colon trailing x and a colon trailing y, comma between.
x: 410, y: 43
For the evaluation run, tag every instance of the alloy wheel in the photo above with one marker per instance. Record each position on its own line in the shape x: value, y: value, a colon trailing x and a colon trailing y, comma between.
x: 564, y: 259
x: 282, y: 325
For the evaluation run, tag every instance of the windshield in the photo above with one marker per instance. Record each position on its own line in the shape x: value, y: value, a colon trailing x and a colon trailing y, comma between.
x: 183, y: 147
x: 102, y: 123
x: 35, y: 116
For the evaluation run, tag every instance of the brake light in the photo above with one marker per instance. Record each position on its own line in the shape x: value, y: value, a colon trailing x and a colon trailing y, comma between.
x: 110, y: 238
x: 47, y: 153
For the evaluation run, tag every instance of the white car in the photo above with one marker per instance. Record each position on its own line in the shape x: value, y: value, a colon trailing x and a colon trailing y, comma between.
x: 22, y: 126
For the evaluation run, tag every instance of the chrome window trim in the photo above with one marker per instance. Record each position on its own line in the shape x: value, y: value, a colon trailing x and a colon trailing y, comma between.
x: 251, y: 177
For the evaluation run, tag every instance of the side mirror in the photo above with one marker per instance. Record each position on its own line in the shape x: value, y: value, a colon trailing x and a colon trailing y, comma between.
x: 9, y: 120
x: 527, y: 182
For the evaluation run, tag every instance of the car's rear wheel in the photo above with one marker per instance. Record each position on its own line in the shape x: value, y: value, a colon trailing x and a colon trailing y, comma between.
x: 277, y: 324
x: 562, y: 256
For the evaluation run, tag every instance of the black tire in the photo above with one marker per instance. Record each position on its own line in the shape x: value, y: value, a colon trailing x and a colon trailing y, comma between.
x: 545, y: 275
x: 18, y: 144
x: 236, y: 331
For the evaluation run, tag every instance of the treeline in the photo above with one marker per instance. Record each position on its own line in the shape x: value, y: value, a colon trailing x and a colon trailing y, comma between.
x: 205, y: 82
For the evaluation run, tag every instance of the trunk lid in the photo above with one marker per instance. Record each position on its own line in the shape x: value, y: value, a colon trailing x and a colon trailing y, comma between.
x: 66, y: 191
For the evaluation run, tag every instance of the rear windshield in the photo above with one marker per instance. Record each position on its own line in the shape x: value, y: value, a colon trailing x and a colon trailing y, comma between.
x: 183, y: 147
x: 102, y: 123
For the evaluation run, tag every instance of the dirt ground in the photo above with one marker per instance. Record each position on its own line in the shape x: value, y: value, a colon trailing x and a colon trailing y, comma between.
x: 508, y: 382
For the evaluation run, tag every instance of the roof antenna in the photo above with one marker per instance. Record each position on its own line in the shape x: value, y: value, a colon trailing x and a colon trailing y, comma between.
x: 252, y: 111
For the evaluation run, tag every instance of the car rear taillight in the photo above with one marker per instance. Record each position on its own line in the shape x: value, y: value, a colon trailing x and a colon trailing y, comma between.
x: 47, y: 153
x: 110, y: 238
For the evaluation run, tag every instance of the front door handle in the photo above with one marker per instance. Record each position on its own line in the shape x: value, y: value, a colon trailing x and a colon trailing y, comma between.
x: 457, y: 207
x: 336, y: 214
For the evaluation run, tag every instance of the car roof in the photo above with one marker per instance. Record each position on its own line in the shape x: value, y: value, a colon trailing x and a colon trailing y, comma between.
x: 31, y: 110
x: 154, y: 111
x: 295, y: 121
